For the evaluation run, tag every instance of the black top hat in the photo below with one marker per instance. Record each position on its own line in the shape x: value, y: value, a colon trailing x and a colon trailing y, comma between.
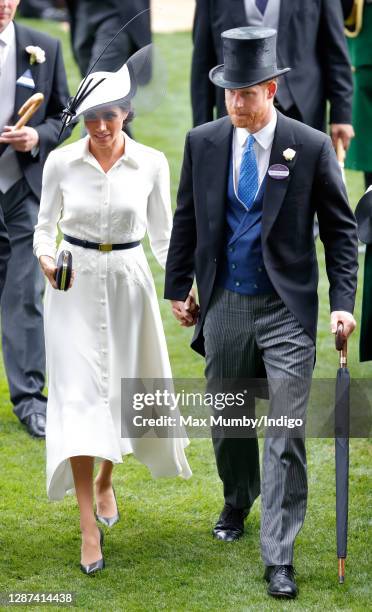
x: 363, y: 214
x: 250, y: 58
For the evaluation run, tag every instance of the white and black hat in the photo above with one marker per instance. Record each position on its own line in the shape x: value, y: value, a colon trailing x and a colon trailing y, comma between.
x: 143, y: 73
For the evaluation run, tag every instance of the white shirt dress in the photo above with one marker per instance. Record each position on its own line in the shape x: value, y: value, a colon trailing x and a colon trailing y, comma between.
x: 108, y: 325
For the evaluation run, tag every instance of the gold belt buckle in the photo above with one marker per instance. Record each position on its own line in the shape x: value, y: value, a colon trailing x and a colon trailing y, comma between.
x: 105, y: 247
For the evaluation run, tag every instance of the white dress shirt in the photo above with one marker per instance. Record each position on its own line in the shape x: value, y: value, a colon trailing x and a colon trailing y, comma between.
x: 255, y: 18
x: 262, y: 148
x: 10, y: 171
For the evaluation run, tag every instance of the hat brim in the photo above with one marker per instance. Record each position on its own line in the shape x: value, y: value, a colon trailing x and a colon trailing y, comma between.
x: 363, y: 214
x: 217, y: 77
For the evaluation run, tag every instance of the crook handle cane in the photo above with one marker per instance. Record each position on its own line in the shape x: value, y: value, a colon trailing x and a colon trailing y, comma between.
x: 28, y: 109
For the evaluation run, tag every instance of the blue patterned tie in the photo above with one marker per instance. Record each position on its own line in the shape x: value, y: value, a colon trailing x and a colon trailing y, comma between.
x: 248, y: 178
x: 261, y: 5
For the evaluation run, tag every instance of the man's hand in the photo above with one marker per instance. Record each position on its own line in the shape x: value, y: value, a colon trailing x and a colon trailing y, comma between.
x: 22, y: 140
x: 186, y: 312
x: 347, y: 319
x: 344, y: 131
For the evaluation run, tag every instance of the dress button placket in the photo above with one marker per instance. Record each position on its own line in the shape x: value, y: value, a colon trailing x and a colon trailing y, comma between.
x: 104, y: 259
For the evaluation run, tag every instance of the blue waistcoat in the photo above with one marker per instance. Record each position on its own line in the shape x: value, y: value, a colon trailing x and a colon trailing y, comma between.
x: 242, y: 268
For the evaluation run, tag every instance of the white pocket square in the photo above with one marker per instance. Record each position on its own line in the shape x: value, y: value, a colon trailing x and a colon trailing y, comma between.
x: 26, y: 80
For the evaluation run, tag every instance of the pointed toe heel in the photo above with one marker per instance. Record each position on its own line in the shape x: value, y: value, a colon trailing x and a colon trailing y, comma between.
x: 112, y: 520
x: 96, y: 566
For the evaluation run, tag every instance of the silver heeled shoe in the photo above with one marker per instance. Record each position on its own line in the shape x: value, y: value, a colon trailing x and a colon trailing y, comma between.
x: 96, y: 566
x: 112, y: 520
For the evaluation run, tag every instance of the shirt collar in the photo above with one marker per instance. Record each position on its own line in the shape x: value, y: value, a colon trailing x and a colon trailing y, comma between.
x: 131, y: 157
x: 264, y: 137
x: 7, y: 36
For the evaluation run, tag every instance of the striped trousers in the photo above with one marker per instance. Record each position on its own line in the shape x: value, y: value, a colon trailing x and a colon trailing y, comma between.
x: 238, y: 331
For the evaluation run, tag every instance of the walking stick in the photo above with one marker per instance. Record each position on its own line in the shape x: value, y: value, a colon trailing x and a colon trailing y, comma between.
x: 341, y: 154
x: 28, y: 109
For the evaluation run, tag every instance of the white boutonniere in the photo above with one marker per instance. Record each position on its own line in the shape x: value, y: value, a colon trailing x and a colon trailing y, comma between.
x: 289, y: 154
x: 37, y: 55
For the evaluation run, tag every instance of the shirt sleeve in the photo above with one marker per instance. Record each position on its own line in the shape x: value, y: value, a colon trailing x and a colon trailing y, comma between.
x: 159, y: 213
x: 50, y: 210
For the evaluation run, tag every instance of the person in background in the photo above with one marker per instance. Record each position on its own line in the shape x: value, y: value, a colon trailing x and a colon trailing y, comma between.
x: 43, y: 9
x: 30, y: 62
x: 94, y: 23
x: 363, y: 213
x: 359, y: 37
x: 310, y: 39
x: 4, y: 252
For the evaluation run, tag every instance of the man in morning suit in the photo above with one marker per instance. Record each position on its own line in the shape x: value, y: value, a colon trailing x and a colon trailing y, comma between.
x: 23, y: 153
x: 250, y: 186
x: 310, y: 39
x: 95, y: 23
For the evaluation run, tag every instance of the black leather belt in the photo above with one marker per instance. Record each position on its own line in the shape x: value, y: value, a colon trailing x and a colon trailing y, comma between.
x: 86, y: 244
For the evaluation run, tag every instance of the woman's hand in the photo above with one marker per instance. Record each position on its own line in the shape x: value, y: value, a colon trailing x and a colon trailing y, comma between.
x: 49, y: 268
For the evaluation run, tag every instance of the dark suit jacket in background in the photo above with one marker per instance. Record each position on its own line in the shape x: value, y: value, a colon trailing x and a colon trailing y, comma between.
x: 119, y: 12
x: 314, y: 185
x: 50, y: 80
x: 310, y: 40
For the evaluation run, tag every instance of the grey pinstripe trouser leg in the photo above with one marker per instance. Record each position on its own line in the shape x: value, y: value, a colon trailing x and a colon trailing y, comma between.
x: 237, y: 328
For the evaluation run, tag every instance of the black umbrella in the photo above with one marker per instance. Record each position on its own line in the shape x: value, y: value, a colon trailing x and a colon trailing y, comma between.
x: 342, y: 418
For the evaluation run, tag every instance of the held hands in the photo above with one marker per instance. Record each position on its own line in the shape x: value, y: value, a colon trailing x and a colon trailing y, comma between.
x: 344, y: 131
x: 49, y: 269
x: 186, y: 312
x: 22, y: 140
x: 347, y: 319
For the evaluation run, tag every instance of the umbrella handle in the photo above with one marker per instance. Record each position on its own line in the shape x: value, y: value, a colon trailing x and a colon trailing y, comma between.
x: 341, y: 344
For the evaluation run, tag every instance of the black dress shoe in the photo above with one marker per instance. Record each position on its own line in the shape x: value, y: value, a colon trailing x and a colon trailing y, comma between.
x: 96, y: 566
x: 230, y: 525
x: 109, y: 521
x: 35, y: 424
x: 281, y: 581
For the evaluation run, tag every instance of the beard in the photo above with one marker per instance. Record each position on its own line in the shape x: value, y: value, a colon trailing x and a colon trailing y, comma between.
x: 252, y: 121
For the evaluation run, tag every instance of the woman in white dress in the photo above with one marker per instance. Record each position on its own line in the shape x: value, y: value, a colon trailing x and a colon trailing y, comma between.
x: 108, y: 190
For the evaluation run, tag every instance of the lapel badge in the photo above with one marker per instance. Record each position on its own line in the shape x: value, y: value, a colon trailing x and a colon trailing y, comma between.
x: 279, y: 172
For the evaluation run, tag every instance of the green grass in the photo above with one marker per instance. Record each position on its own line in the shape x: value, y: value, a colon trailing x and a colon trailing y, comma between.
x: 161, y: 555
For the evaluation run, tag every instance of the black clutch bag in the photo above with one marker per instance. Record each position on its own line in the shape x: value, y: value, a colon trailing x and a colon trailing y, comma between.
x: 64, y: 270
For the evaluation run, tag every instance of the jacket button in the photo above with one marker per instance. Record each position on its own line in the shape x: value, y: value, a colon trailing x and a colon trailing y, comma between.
x: 215, y: 259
